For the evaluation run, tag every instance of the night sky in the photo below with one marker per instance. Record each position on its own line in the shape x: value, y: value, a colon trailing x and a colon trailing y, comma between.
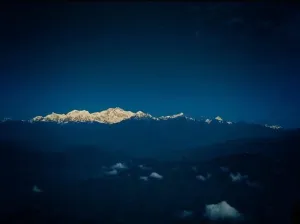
x: 240, y: 61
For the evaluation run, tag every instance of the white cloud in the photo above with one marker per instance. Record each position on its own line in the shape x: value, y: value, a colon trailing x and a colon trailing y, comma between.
x: 237, y: 177
x: 112, y: 172
x: 144, y: 178
x: 144, y: 167
x: 194, y: 168
x: 203, y: 178
x: 221, y: 211
x: 200, y: 177
x: 186, y: 214
x: 119, y: 166
x: 156, y: 175
x: 36, y: 189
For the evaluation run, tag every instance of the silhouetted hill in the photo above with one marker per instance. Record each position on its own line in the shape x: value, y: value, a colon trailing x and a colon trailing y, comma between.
x: 136, y: 137
x: 284, y: 145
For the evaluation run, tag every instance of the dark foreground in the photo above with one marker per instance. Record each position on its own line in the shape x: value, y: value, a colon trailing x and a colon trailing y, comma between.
x: 77, y: 186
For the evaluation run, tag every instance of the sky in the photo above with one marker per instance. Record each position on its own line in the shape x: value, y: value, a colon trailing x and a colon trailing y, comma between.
x: 240, y: 61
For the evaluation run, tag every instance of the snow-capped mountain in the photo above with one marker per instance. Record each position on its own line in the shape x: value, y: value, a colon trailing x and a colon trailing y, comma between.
x: 6, y: 119
x: 117, y: 115
x: 138, y: 132
x: 180, y: 115
x: 109, y: 116
x: 273, y: 126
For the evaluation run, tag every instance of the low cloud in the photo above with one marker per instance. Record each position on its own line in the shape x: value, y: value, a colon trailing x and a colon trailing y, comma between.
x: 156, y: 175
x: 200, y: 177
x: 119, y: 166
x: 203, y: 178
x: 221, y: 211
x: 144, y: 167
x: 186, y: 214
x: 194, y: 168
x: 111, y: 173
x: 36, y: 189
x: 238, y: 177
x: 144, y: 178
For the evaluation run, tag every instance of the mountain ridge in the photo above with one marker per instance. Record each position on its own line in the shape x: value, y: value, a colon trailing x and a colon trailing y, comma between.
x: 138, y: 133
x: 117, y: 115
x: 108, y: 116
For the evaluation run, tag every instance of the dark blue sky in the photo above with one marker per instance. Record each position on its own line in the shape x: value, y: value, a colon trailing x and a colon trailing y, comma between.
x: 239, y: 61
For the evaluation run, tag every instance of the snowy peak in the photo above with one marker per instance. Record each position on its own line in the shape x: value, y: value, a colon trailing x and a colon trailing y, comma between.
x: 179, y: 115
x: 208, y: 121
x: 142, y: 115
x: 117, y: 115
x: 218, y: 118
x: 54, y: 117
x: 76, y: 115
x: 109, y: 116
x: 5, y: 119
x: 112, y: 115
x: 78, y: 112
x: 176, y: 116
x: 273, y: 126
x: 171, y: 117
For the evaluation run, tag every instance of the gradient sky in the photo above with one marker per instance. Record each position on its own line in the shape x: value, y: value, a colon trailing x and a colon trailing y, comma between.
x: 237, y: 60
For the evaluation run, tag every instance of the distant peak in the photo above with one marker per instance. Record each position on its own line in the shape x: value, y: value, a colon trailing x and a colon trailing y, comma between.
x: 109, y: 116
x: 115, y: 115
x: 37, y: 118
x: 142, y: 114
x: 208, y: 121
x: 115, y: 109
x: 218, y: 118
x: 78, y: 111
x: 273, y: 126
x: 169, y: 117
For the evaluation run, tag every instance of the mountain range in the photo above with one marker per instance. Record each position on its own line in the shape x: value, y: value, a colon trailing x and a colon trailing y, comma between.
x: 139, y: 134
x: 109, y: 116
x: 117, y: 115
x: 61, y: 164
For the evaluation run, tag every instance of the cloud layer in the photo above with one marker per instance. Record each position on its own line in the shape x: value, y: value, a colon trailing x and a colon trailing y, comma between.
x: 119, y: 166
x: 237, y: 177
x: 221, y: 211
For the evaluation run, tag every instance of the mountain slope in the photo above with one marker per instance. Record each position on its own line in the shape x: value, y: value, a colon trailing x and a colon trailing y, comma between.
x: 139, y: 137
